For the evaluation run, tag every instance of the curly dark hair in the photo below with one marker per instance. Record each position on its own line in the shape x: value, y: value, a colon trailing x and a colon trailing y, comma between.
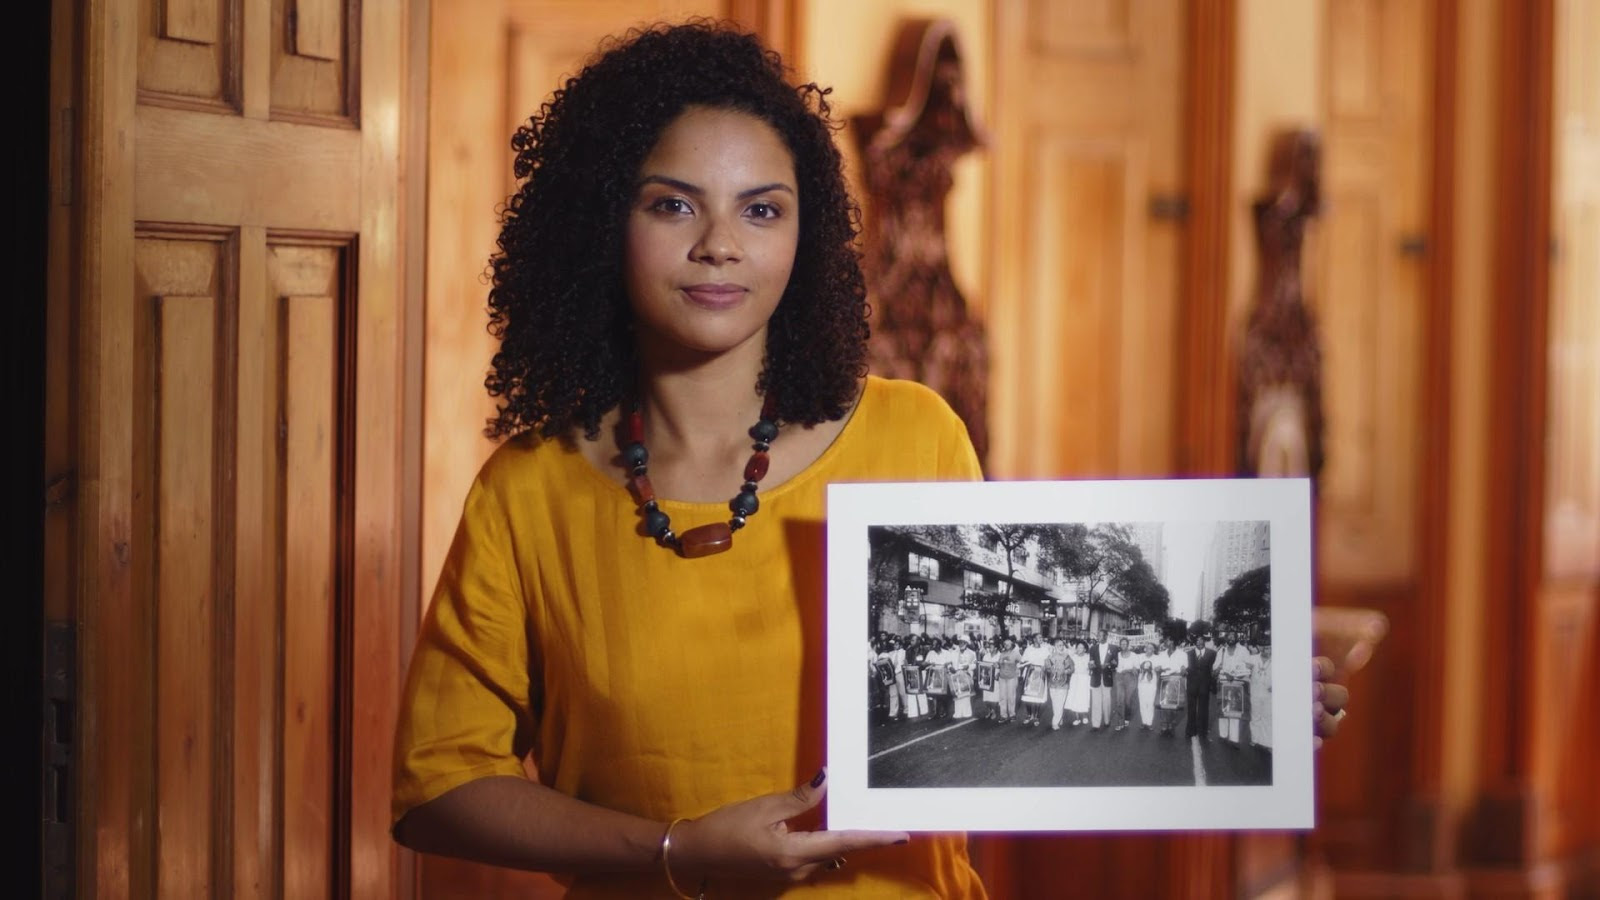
x: 558, y: 304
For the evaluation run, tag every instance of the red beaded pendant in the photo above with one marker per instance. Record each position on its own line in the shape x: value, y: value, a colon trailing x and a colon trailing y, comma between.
x: 705, y: 540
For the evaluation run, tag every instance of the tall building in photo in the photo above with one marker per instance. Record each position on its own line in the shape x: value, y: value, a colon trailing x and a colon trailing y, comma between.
x: 1151, y: 541
x: 1236, y: 548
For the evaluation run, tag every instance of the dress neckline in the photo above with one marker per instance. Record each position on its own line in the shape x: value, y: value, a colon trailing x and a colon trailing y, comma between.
x: 869, y: 393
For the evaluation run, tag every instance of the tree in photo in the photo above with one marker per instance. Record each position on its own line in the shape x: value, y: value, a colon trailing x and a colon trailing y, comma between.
x: 1246, y: 606
x: 1099, y: 557
x: 1148, y: 596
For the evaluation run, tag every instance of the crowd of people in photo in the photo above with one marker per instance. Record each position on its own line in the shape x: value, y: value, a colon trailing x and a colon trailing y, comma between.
x: 1099, y: 682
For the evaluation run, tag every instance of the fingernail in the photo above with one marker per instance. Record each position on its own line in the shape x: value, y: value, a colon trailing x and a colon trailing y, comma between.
x: 1317, y: 710
x: 1316, y: 691
x: 819, y: 778
x: 902, y: 841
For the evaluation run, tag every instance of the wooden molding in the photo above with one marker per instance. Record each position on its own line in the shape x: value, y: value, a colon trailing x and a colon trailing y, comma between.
x: 1433, y: 512
x: 1206, y: 390
x: 1521, y: 293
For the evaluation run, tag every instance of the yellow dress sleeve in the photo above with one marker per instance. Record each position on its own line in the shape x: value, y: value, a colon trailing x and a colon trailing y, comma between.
x: 467, y: 707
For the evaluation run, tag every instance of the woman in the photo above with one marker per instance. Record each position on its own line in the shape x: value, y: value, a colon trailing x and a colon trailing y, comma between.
x: 1261, y: 700
x: 1006, y: 678
x: 1146, y: 669
x: 1036, y: 655
x: 966, y: 661
x: 917, y: 658
x: 677, y: 264
x: 939, y: 658
x: 892, y: 656
x: 1078, y: 686
x: 1058, y: 672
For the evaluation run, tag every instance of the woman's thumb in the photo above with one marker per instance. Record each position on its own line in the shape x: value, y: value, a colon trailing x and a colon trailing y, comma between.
x: 805, y: 796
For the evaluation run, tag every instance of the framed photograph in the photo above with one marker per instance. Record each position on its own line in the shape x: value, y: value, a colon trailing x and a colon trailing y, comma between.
x: 912, y: 675
x: 1231, y: 697
x: 936, y: 680
x: 961, y: 683
x: 884, y: 671
x: 1033, y: 686
x: 1176, y: 570
x: 1170, y: 692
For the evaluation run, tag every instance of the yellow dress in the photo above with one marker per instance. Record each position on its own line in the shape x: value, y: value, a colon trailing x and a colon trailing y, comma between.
x: 648, y: 683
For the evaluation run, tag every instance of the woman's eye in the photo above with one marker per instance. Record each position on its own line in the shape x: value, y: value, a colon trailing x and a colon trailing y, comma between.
x: 672, y: 206
x: 764, y: 211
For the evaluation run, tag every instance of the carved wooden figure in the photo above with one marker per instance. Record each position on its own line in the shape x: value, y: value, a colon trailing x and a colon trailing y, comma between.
x: 921, y: 327
x: 1280, y: 364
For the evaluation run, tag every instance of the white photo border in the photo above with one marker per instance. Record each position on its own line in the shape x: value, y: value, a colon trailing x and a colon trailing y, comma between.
x: 1288, y: 803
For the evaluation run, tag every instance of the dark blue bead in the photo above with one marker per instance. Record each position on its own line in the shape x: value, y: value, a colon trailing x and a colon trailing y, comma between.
x: 765, y: 431
x: 656, y: 522
x: 635, y: 455
x: 745, y: 504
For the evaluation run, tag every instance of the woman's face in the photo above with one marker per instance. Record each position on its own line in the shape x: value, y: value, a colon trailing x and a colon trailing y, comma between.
x: 711, y: 236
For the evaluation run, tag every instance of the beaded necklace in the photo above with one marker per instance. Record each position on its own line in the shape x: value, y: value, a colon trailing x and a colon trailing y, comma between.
x: 715, y: 537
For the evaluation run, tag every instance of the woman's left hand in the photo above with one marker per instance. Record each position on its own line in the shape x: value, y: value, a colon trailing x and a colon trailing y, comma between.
x: 1327, y: 701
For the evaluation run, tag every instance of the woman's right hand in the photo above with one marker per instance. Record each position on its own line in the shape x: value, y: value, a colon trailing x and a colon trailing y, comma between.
x: 751, y: 839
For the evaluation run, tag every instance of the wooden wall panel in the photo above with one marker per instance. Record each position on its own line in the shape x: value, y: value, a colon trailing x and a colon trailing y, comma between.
x: 189, y: 53
x: 314, y: 61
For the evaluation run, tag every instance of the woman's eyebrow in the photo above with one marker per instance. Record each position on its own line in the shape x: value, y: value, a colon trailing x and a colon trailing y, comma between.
x: 698, y: 191
x: 684, y: 186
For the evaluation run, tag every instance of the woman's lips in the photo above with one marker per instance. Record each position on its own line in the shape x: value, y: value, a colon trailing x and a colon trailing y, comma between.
x: 715, y: 296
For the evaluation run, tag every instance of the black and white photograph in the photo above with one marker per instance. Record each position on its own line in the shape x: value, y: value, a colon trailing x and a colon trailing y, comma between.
x: 1121, y: 644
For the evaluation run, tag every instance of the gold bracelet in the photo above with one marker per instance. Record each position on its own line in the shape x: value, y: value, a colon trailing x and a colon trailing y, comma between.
x: 666, y: 867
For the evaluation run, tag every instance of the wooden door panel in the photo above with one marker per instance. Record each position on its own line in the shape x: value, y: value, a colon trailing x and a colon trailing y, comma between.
x: 1079, y: 261
x: 189, y: 52
x: 181, y: 296
x: 310, y: 539
x: 1367, y: 286
x: 313, y: 64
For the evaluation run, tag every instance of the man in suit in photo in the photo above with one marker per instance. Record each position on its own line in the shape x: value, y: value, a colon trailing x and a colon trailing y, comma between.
x: 1102, y: 677
x: 1202, y: 680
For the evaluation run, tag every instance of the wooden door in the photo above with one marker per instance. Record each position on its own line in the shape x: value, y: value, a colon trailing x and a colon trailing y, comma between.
x: 225, y: 331
x: 1368, y: 285
x: 1087, y: 238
